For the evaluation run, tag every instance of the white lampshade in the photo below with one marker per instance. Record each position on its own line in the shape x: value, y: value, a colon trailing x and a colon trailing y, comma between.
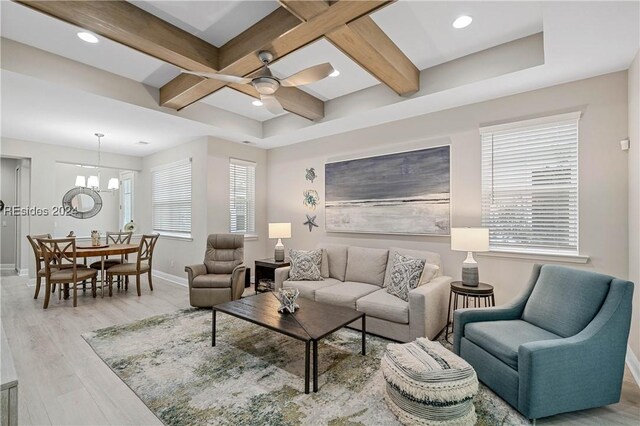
x: 113, y: 183
x: 93, y: 182
x: 80, y: 181
x: 279, y: 230
x: 470, y: 239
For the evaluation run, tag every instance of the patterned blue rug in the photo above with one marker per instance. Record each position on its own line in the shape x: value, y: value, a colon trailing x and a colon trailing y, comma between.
x: 254, y: 376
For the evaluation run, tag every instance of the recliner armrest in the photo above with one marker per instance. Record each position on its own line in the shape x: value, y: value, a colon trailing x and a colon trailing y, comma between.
x: 195, y: 270
x: 237, y: 281
x: 281, y: 275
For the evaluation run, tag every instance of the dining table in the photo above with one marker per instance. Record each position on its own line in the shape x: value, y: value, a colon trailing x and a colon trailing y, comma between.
x: 102, y: 252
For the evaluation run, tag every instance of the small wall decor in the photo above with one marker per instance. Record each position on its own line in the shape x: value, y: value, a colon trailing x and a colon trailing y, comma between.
x: 401, y: 193
x: 311, y: 174
x: 311, y: 198
x: 310, y: 222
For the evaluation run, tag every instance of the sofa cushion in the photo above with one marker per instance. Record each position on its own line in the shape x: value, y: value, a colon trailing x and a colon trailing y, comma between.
x: 305, y: 265
x: 405, y: 275
x: 383, y: 305
x: 212, y: 281
x: 564, y: 300
x: 344, y: 294
x: 503, y: 338
x: 336, y: 260
x: 308, y: 288
x: 366, y: 265
x: 324, y: 266
x: 429, y: 257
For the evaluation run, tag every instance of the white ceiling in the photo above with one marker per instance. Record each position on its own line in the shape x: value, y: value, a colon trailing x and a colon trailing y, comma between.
x: 582, y: 39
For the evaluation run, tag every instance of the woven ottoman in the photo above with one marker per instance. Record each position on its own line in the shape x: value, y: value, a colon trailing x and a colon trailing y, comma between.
x: 427, y: 384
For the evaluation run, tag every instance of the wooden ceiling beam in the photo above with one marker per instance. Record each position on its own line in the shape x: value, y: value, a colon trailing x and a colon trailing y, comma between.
x: 127, y: 24
x: 364, y: 42
x: 280, y: 33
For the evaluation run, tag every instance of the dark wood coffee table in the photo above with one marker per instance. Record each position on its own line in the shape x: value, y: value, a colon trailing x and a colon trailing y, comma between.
x: 311, y: 323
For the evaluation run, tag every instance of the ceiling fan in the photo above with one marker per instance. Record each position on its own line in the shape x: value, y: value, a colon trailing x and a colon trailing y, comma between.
x: 267, y: 84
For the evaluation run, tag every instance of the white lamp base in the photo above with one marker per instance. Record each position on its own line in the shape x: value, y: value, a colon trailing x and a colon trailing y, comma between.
x: 279, y: 252
x: 470, y: 276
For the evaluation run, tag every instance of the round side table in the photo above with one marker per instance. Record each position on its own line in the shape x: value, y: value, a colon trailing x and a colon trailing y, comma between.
x: 482, y: 293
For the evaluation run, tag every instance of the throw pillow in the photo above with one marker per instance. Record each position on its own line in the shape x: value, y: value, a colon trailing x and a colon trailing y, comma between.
x: 405, y: 275
x: 305, y: 265
x: 428, y: 273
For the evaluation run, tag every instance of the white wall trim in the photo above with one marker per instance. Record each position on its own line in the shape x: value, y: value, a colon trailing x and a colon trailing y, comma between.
x: 182, y: 281
x: 23, y: 272
x: 634, y: 365
x: 7, y: 267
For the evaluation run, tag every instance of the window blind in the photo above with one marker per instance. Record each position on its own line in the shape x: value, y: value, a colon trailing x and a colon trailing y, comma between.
x: 171, y: 199
x: 530, y: 185
x: 242, y: 196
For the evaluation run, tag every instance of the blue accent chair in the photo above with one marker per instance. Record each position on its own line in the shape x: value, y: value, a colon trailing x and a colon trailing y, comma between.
x: 559, y: 347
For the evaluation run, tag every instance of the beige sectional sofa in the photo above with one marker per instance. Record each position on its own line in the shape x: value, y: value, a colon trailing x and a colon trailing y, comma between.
x: 355, y: 277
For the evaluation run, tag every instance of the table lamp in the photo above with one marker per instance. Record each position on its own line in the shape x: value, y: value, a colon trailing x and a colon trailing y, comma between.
x: 470, y: 240
x: 279, y: 230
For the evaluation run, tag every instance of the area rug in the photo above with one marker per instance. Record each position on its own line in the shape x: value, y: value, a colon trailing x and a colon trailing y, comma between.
x: 254, y: 376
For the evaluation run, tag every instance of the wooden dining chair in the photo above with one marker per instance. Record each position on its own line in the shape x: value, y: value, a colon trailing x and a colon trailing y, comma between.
x: 114, y: 238
x: 142, y: 265
x: 40, y: 269
x: 61, y: 267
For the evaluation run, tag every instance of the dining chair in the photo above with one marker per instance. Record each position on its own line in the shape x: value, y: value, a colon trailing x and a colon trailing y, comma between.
x: 61, y: 267
x: 142, y: 265
x: 114, y: 238
x: 40, y: 270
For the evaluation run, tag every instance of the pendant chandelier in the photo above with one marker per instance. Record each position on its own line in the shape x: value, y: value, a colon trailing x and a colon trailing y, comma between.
x: 93, y: 181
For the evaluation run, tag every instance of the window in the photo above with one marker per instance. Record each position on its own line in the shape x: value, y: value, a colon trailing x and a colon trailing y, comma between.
x: 126, y: 198
x: 530, y: 185
x: 171, y: 199
x: 242, y: 196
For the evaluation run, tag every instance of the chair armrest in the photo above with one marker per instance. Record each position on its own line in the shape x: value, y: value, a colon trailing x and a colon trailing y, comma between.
x: 281, y: 275
x: 428, y: 308
x: 510, y: 311
x: 237, y: 281
x: 591, y: 360
x: 195, y: 270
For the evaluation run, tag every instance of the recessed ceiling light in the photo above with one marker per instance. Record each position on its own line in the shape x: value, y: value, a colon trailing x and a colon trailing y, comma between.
x: 462, y: 22
x: 256, y: 103
x: 335, y: 73
x: 88, y: 37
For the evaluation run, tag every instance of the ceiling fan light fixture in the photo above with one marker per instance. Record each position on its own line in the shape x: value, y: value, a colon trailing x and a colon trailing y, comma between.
x: 266, y: 85
x: 462, y: 22
x: 88, y: 37
x: 257, y: 103
x: 335, y: 73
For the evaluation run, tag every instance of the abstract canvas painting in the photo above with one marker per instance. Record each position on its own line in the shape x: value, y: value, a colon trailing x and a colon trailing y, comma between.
x: 400, y: 193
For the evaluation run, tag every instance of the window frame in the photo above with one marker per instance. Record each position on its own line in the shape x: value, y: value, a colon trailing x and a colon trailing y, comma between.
x: 249, y: 231
x: 163, y: 168
x: 504, y: 250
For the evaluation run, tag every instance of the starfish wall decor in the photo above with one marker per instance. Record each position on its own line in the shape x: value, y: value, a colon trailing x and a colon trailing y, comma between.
x: 311, y: 222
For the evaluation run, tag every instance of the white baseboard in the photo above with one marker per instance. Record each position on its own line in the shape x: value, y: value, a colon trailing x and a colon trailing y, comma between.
x: 634, y: 365
x: 7, y: 267
x: 23, y: 272
x: 171, y: 278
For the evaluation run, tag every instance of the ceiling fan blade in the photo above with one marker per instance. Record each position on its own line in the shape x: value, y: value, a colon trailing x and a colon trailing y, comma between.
x: 221, y: 77
x: 309, y: 75
x: 271, y: 104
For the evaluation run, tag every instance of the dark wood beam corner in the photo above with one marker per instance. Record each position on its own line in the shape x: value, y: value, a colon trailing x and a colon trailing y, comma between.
x: 127, y: 24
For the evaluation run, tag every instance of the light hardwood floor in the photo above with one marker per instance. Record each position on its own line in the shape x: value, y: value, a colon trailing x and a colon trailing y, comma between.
x: 62, y: 381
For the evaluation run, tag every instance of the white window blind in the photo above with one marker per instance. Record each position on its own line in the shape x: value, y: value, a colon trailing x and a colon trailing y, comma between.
x: 530, y: 185
x: 242, y: 196
x: 171, y: 199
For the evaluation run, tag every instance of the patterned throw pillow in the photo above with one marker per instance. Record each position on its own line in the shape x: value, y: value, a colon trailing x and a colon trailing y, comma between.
x: 305, y: 265
x: 405, y: 275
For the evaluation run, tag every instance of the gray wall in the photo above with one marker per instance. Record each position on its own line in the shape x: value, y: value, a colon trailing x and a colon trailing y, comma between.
x: 634, y: 201
x: 603, y: 175
x: 8, y: 223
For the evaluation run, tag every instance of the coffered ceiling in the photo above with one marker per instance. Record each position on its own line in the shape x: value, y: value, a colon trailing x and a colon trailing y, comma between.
x: 576, y: 40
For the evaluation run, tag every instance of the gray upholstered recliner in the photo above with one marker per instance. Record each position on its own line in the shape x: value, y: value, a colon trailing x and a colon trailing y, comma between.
x: 559, y: 347
x: 220, y: 278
